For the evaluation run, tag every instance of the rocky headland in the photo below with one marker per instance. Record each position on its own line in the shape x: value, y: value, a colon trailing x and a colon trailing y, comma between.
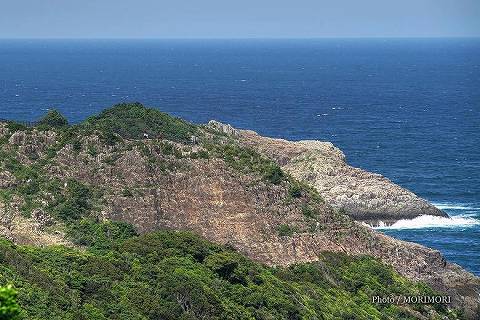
x: 364, y: 196
x: 276, y: 201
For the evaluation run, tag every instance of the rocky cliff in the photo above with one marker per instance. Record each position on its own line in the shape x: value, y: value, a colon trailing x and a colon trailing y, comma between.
x: 363, y: 195
x: 221, y: 183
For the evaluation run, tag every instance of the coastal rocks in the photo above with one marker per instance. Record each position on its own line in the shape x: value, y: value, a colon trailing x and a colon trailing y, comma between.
x: 224, y: 128
x: 364, y: 196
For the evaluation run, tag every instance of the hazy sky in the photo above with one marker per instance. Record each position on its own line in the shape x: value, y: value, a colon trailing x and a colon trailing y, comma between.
x: 237, y: 19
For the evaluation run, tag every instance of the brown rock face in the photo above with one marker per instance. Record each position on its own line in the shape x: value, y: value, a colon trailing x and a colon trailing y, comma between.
x: 153, y: 190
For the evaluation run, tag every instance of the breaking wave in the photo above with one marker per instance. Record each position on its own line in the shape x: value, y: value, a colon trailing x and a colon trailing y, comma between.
x: 427, y: 221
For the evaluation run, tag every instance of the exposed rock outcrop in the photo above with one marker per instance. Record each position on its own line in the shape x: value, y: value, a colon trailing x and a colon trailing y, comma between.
x: 363, y: 195
x: 22, y: 230
x: 224, y: 128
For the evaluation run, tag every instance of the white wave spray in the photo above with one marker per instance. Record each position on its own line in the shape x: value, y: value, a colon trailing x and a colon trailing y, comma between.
x: 427, y: 221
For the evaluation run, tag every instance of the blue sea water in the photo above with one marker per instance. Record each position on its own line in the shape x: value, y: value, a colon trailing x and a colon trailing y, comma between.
x: 406, y: 108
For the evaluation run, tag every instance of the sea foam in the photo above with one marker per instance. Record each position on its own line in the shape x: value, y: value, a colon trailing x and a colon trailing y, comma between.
x: 427, y: 221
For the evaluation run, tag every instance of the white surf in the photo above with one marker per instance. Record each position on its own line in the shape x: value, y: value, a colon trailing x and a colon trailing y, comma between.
x: 427, y: 221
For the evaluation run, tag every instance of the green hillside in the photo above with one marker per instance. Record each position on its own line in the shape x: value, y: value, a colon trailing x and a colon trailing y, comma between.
x: 175, y: 275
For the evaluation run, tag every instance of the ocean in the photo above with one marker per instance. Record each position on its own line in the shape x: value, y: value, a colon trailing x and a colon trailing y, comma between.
x: 405, y: 108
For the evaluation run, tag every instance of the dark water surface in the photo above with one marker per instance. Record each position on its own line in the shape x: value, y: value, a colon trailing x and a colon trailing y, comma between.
x: 406, y: 108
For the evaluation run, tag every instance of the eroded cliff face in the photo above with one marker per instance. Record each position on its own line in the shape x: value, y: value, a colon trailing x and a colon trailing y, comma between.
x: 148, y: 185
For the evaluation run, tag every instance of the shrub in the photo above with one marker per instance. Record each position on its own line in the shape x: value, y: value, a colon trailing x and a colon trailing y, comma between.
x: 308, y: 211
x: 284, y: 230
x: 9, y: 309
x: 248, y: 160
x: 157, y: 245
x: 53, y: 119
x: 29, y: 187
x: 3, y: 140
x: 75, y: 203
x: 13, y: 126
x: 92, y: 150
x: 274, y: 174
x: 167, y: 149
x: 105, y: 235
x: 202, y: 154
x: 6, y: 195
x: 133, y: 120
x: 227, y: 266
x: 109, y: 137
x: 76, y: 145
x: 295, y: 190
x: 127, y: 193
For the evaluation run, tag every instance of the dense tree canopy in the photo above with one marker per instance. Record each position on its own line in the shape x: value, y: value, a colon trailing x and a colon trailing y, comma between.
x: 173, y: 275
x: 133, y: 120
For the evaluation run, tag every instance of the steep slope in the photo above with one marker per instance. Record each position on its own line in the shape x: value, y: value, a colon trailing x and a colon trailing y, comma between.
x: 199, y: 179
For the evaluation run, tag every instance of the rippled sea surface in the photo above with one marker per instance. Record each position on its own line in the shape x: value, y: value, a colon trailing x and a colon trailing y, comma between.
x: 406, y: 108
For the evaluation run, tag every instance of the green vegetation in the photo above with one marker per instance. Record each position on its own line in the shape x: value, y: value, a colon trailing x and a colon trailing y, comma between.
x: 76, y: 145
x: 99, y: 236
x: 109, y: 137
x: 127, y: 192
x: 169, y: 275
x: 202, y: 154
x: 295, y: 190
x: 308, y: 211
x: 298, y: 189
x: 71, y: 201
x: 9, y: 309
x: 53, y: 119
x: 13, y: 126
x: 247, y: 160
x: 273, y: 173
x: 74, y: 203
x: 132, y: 120
x: 168, y: 149
x: 30, y: 180
x: 92, y: 150
x: 284, y: 230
